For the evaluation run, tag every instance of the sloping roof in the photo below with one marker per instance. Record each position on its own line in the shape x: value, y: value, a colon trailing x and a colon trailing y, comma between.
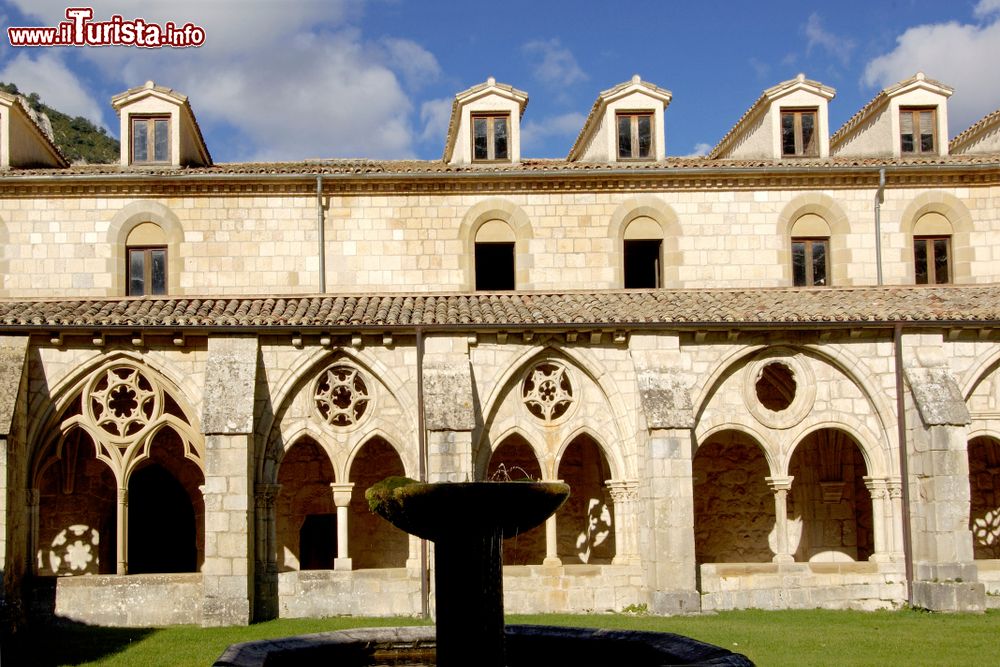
x: 148, y: 88
x: 682, y: 308
x: 880, y: 100
x: 44, y: 134
x: 766, y: 98
x: 983, y: 125
x: 470, y: 93
x: 602, y: 100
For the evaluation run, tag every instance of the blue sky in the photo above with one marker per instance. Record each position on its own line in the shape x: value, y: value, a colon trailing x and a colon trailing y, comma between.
x: 351, y: 78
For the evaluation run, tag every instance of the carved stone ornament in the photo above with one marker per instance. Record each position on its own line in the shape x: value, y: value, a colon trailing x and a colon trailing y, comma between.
x: 341, y: 396
x: 547, y: 391
x: 123, y: 402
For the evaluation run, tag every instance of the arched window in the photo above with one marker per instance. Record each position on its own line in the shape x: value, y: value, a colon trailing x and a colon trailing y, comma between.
x: 642, y: 254
x: 810, y: 251
x: 932, y: 249
x: 146, y: 260
x: 494, y: 256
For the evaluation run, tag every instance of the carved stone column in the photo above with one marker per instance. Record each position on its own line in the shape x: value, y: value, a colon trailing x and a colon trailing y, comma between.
x: 122, y: 531
x: 34, y: 501
x: 551, y: 542
x: 894, y: 487
x: 883, y: 541
x: 781, y: 486
x: 342, y: 499
x: 624, y: 495
x: 265, y: 499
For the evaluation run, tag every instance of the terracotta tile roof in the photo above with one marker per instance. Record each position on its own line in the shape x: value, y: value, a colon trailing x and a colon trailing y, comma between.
x: 684, y: 308
x: 528, y: 167
x: 984, y: 124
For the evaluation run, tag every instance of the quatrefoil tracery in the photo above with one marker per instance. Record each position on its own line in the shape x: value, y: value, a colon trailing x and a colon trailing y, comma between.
x: 341, y: 396
x: 547, y: 391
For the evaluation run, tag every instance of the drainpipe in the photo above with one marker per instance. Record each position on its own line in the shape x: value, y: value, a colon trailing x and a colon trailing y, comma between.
x: 321, y: 227
x: 904, y: 473
x: 879, y: 200
x: 425, y: 606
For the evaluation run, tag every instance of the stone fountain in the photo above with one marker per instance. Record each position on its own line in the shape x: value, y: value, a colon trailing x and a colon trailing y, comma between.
x: 467, y: 522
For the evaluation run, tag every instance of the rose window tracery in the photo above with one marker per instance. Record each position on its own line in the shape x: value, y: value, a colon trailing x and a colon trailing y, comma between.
x: 547, y: 391
x: 341, y: 395
x: 123, y: 401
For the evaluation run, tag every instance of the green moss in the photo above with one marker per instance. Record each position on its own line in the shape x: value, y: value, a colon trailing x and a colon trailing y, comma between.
x: 381, y: 496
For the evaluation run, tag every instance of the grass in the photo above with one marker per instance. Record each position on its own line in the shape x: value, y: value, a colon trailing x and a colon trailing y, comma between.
x: 815, y: 637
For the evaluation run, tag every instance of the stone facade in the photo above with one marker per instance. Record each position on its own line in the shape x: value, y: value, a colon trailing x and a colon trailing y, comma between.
x: 730, y: 440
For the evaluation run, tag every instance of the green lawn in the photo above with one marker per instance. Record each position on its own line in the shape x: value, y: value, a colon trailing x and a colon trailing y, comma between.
x: 768, y: 637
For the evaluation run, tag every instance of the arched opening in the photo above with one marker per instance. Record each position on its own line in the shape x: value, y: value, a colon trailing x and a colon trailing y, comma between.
x: 810, y: 251
x: 305, y: 514
x: 514, y: 460
x: 829, y: 501
x: 642, y: 254
x: 932, y: 252
x: 146, y: 260
x: 166, y: 511
x: 494, y: 257
x: 77, y: 507
x: 733, y: 505
x: 984, y: 488
x: 373, y: 541
x: 586, y: 522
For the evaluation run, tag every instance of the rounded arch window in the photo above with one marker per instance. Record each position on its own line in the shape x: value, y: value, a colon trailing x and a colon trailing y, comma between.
x: 932, y: 259
x: 146, y: 260
x: 547, y: 391
x: 494, y: 256
x: 810, y: 235
x: 341, y: 396
x: 642, y: 253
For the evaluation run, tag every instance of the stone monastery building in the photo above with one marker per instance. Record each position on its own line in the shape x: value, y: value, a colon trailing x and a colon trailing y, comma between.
x: 771, y: 375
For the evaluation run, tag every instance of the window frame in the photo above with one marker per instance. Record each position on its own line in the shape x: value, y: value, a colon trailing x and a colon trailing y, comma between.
x: 634, y: 146
x: 147, y: 269
x: 914, y: 113
x: 810, y: 241
x: 797, y: 114
x: 491, y: 146
x: 150, y: 121
x: 929, y: 258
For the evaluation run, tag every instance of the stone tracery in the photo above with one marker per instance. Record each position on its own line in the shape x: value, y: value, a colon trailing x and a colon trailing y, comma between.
x: 547, y: 391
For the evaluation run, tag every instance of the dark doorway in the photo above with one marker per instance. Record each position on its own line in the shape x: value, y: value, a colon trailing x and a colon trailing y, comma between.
x: 161, y: 525
x: 494, y: 267
x: 318, y: 542
x: 642, y: 264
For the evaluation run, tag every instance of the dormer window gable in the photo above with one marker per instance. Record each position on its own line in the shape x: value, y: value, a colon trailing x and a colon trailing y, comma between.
x: 982, y: 137
x: 907, y: 119
x: 788, y: 121
x: 485, y: 126
x: 624, y: 125
x: 158, y: 129
x: 26, y: 137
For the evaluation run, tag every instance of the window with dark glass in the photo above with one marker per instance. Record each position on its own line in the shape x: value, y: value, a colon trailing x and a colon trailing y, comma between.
x: 147, y: 271
x: 917, y: 130
x: 494, y: 266
x: 798, y: 132
x: 642, y: 263
x: 490, y: 137
x: 809, y: 262
x: 635, y: 136
x: 931, y: 260
x: 150, y: 140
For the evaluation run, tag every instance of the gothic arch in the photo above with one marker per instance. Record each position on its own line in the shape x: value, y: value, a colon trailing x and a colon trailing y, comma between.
x: 749, y: 430
x: 408, y: 465
x: 602, y: 446
x: 817, y: 203
x: 483, y: 455
x: 952, y: 208
x: 127, y: 219
x: 496, y: 208
x: 647, y: 206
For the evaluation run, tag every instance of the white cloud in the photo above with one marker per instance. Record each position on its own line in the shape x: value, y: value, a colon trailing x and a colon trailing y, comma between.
x: 434, y: 116
x: 291, y: 80
x: 955, y: 54
x: 700, y: 150
x: 835, y: 45
x: 45, y: 73
x: 535, y: 133
x: 553, y: 64
x: 986, y: 7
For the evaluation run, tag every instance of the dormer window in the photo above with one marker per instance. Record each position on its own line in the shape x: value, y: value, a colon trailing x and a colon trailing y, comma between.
x: 917, y: 130
x: 635, y: 135
x: 798, y: 133
x: 490, y: 137
x: 150, y: 139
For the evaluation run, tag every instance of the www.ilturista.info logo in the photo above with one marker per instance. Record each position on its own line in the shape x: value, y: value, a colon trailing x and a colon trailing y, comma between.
x: 80, y: 30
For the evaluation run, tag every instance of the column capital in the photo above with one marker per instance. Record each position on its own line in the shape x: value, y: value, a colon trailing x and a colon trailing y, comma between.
x: 895, y: 487
x: 342, y: 493
x: 623, y: 490
x: 876, y: 486
x: 780, y: 483
x: 266, y: 494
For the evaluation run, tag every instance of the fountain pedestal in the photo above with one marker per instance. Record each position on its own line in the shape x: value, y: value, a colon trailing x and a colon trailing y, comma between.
x: 467, y: 523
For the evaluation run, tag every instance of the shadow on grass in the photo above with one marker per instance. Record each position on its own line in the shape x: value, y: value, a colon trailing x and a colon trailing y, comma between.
x: 63, y: 642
